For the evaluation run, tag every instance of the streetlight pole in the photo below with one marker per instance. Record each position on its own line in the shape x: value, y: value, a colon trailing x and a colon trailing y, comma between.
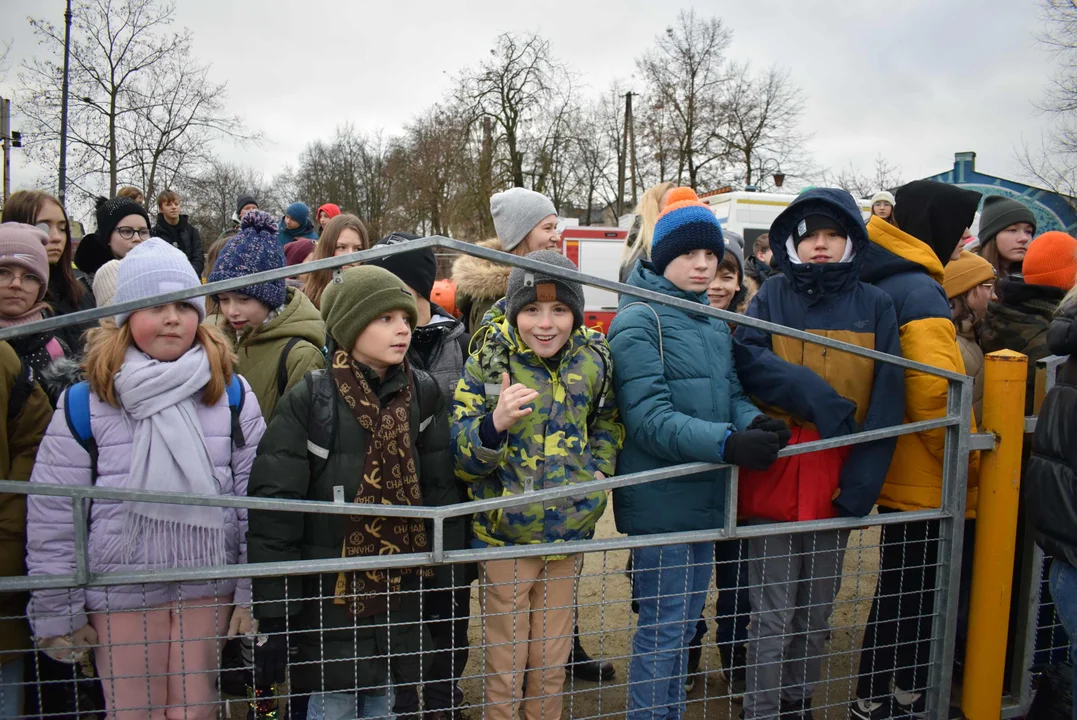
x: 62, y: 182
x: 5, y: 137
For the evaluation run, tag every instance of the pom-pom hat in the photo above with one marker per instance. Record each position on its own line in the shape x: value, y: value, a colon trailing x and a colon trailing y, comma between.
x: 254, y: 249
x: 686, y: 224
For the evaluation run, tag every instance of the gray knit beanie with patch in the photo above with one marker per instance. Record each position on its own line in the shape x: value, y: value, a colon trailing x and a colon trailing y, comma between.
x: 528, y: 286
x: 516, y: 213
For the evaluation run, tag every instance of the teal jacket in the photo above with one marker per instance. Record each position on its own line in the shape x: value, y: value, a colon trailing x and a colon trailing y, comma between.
x: 678, y: 406
x: 571, y: 434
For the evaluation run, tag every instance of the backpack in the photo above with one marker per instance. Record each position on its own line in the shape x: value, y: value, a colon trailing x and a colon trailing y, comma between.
x: 282, y: 367
x: 77, y: 414
x: 21, y: 390
x: 322, y: 422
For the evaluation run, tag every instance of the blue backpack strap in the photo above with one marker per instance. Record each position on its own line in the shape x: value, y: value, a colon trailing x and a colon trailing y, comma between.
x: 235, y: 406
x: 77, y: 414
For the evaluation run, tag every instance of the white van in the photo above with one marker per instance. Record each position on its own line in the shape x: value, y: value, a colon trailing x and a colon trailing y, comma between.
x: 751, y: 213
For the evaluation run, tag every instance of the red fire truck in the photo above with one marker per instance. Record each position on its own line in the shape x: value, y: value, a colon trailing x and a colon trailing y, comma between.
x: 596, y: 251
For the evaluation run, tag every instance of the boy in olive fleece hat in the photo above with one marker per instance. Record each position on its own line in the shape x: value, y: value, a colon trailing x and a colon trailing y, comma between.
x: 537, y: 393
x: 368, y: 415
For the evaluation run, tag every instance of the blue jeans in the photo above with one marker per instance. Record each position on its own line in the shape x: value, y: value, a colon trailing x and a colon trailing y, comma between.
x: 1064, y: 591
x: 349, y: 705
x: 11, y: 688
x: 670, y: 583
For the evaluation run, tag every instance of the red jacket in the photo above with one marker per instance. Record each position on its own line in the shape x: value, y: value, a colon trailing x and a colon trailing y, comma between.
x: 801, y: 487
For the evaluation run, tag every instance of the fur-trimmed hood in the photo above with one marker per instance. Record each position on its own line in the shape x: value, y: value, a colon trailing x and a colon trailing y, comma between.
x: 481, y: 279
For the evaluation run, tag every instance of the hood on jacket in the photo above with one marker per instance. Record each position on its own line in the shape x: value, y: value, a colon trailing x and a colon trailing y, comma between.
x: 479, y: 278
x: 935, y: 213
x: 1062, y: 334
x: 810, y: 278
x: 91, y: 254
x: 1015, y: 294
x: 299, y: 318
x: 894, y: 251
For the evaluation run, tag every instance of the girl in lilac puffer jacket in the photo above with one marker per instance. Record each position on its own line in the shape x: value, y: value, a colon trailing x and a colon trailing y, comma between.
x: 161, y: 421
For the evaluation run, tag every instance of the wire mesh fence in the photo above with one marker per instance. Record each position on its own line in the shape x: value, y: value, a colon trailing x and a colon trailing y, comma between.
x: 504, y: 643
x: 797, y: 608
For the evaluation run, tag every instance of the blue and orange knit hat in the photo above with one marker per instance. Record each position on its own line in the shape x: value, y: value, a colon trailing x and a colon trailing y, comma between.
x: 686, y: 224
x: 254, y: 249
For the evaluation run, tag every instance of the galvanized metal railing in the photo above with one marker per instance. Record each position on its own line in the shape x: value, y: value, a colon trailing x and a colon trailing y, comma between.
x: 959, y: 442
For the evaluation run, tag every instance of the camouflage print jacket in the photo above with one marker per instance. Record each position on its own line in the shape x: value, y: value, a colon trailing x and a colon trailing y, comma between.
x: 572, y: 433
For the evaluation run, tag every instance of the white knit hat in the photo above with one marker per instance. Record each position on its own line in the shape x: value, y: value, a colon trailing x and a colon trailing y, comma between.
x: 152, y: 268
x: 883, y: 196
x: 104, y: 282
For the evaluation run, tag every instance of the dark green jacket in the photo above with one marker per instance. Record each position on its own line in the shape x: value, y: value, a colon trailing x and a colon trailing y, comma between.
x: 345, y: 651
x: 1019, y: 322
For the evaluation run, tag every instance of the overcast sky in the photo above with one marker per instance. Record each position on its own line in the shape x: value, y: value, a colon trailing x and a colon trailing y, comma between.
x: 914, y: 80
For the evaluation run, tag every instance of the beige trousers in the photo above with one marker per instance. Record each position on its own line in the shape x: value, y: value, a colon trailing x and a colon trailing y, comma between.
x: 527, y: 608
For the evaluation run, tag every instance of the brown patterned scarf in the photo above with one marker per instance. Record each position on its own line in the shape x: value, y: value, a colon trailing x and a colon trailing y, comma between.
x: 389, y: 478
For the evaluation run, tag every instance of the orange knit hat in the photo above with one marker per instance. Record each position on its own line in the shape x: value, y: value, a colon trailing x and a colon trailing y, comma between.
x: 965, y: 273
x: 1051, y: 260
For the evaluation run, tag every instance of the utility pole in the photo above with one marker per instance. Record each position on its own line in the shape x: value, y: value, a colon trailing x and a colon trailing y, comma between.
x: 631, y: 144
x: 5, y: 137
x: 622, y: 156
x: 62, y: 181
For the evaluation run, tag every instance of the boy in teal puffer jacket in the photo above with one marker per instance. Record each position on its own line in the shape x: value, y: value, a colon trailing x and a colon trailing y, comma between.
x: 682, y: 402
x: 534, y: 410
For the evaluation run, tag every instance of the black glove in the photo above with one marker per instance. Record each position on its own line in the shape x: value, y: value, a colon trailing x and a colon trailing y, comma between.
x: 774, y: 425
x: 270, y: 657
x: 753, y: 449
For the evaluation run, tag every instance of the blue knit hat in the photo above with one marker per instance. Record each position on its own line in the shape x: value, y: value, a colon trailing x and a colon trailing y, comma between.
x: 686, y: 224
x: 299, y: 212
x: 254, y: 249
x: 151, y: 268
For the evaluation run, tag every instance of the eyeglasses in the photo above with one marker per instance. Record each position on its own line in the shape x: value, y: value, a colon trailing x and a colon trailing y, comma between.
x: 29, y: 281
x: 129, y: 232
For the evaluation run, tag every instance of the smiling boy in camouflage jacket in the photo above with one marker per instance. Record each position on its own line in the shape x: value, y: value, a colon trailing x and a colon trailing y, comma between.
x: 534, y: 410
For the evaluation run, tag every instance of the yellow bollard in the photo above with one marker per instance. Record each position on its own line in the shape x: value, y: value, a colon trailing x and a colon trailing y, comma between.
x: 996, y: 535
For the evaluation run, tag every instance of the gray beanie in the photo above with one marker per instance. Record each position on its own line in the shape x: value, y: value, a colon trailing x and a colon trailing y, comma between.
x: 152, y: 268
x: 516, y: 213
x: 999, y: 212
x: 528, y: 286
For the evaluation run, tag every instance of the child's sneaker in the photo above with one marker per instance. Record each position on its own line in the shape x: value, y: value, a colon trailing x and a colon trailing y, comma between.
x: 695, y: 655
x: 736, y: 681
x: 888, y: 709
x: 795, y: 710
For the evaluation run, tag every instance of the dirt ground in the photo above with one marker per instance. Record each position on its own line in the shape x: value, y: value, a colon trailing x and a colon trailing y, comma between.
x: 607, y: 622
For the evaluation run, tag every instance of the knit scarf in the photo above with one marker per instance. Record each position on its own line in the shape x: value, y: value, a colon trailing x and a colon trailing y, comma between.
x: 169, y: 454
x: 389, y: 478
x: 35, y: 313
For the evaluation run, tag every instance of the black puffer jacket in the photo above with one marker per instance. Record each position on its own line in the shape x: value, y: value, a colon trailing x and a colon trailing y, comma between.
x: 1050, y: 480
x: 337, y: 651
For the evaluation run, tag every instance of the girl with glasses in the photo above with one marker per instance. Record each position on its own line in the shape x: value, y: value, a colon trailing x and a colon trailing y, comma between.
x: 24, y: 277
x: 121, y: 225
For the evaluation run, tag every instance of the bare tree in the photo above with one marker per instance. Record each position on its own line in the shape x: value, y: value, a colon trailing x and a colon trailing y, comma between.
x: 760, y: 124
x: 684, y: 75
x: 210, y: 197
x: 883, y: 176
x: 516, y: 88
x: 5, y: 50
x: 1054, y: 162
x: 351, y: 170
x: 141, y: 107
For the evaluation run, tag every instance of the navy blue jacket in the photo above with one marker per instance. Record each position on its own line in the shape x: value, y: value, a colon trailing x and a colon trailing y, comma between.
x: 837, y: 392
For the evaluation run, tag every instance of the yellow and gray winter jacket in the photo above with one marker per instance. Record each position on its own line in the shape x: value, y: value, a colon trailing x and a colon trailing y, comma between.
x: 572, y: 433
